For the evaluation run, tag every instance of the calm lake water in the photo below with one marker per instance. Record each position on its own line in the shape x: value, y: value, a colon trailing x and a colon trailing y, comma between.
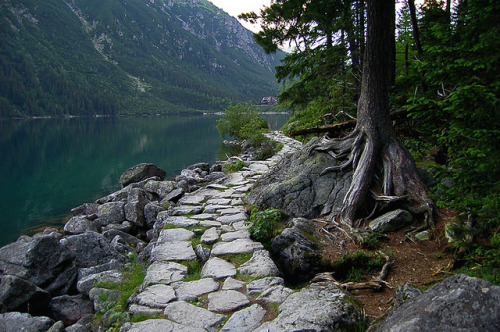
x: 49, y: 166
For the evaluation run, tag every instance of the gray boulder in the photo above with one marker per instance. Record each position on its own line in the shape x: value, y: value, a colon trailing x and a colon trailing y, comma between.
x: 298, y: 255
x: 391, y: 221
x: 296, y: 186
x: 245, y: 320
x: 160, y: 188
x: 17, y: 294
x: 70, y: 309
x: 129, y: 239
x: 85, y: 284
x: 134, y: 209
x: 260, y: 265
x: 79, y: 224
x: 141, y: 172
x: 91, y: 249
x: 16, y: 321
x: 151, y: 210
x: 85, y: 209
x: 460, y: 303
x: 318, y: 307
x: 110, y: 213
x: 103, y: 298
x: 40, y: 260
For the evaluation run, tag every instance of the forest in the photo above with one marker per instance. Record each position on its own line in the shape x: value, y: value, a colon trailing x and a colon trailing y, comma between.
x: 433, y: 63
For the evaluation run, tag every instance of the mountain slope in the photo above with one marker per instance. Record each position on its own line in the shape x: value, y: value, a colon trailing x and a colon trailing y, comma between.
x: 135, y: 56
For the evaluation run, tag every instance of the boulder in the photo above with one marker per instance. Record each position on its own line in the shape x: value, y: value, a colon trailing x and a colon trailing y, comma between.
x: 238, y: 246
x: 296, y: 186
x: 188, y: 314
x: 129, y: 239
x: 156, y: 296
x: 173, y: 196
x: 405, y: 292
x: 85, y: 284
x: 260, y: 285
x: 202, y: 253
x: 245, y: 320
x: 16, y: 321
x: 141, y: 172
x: 218, y: 268
x: 297, y: 253
x: 160, y: 188
x: 79, y: 224
x: 260, y: 265
x: 164, y: 273
x: 151, y: 210
x: 39, y: 260
x: 110, y: 213
x: 85, y: 209
x: 391, y: 221
x: 203, y: 167
x: 70, y: 309
x: 91, y: 249
x: 17, y: 294
x: 318, y: 307
x: 134, y: 209
x: 459, y: 303
x: 210, y: 236
x: 187, y: 291
x: 226, y: 301
x: 276, y: 294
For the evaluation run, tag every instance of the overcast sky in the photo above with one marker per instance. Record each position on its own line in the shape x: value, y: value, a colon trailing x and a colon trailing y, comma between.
x: 236, y: 7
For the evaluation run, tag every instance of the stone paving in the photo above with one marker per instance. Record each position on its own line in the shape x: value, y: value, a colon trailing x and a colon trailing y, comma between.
x: 205, y: 272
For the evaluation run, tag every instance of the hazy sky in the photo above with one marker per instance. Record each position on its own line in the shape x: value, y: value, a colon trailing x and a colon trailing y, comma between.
x: 236, y: 7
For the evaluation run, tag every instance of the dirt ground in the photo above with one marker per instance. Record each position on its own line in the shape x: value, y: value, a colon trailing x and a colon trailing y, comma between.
x: 419, y: 263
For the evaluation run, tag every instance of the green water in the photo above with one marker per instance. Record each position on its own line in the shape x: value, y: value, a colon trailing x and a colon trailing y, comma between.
x: 49, y: 166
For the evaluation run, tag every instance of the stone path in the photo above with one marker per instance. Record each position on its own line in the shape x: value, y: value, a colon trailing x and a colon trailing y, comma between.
x: 205, y: 272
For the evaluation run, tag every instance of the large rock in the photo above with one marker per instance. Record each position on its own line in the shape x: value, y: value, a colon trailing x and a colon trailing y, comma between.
x: 391, y: 221
x: 162, y: 325
x: 188, y: 291
x: 70, y: 309
x: 17, y: 294
x: 218, y: 268
x: 151, y: 210
x: 297, y: 253
x: 85, y: 284
x: 160, y: 188
x: 226, y: 301
x: 91, y: 249
x: 460, y: 303
x: 245, y: 320
x: 188, y: 314
x: 318, y: 307
x: 16, y: 322
x: 238, y: 246
x: 110, y: 213
x: 173, y: 250
x: 260, y: 265
x: 41, y: 261
x: 79, y: 224
x: 156, y: 296
x: 134, y: 209
x: 141, y: 172
x: 296, y: 186
x: 164, y: 273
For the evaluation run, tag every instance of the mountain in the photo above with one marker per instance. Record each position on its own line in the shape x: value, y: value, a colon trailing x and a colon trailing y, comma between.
x: 83, y: 57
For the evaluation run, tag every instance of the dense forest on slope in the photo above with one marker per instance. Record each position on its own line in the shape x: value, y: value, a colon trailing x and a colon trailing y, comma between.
x: 443, y: 80
x: 62, y: 57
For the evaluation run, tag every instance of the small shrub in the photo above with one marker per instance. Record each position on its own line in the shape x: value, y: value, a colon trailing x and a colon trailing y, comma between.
x: 233, y: 167
x: 264, y: 225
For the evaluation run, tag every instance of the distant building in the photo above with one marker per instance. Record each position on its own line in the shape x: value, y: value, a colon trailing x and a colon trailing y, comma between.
x: 268, y: 101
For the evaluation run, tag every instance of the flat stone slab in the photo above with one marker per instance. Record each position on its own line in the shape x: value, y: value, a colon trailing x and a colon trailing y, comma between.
x: 156, y: 296
x: 260, y: 265
x: 173, y: 251
x: 276, y: 294
x: 136, y: 309
x: 218, y: 268
x: 186, y: 209
x: 162, y: 325
x: 188, y: 291
x: 238, y: 246
x: 175, y: 221
x: 191, y: 315
x: 215, y: 208
x: 217, y: 186
x: 230, y: 211
x: 204, y: 216
x: 164, y: 273
x: 232, y: 284
x: 210, y: 223
x: 260, y: 285
x: 237, y: 202
x: 245, y: 320
x: 230, y: 219
x: 192, y: 199
x: 240, y: 225
x: 231, y: 236
x: 176, y: 234
x: 219, y: 201
x: 226, y: 301
x: 210, y: 236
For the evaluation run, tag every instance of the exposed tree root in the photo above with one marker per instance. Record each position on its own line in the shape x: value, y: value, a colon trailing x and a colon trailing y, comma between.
x: 376, y: 284
x: 380, y: 165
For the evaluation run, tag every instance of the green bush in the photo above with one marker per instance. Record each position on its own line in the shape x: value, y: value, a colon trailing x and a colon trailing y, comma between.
x: 231, y: 167
x: 241, y: 121
x: 264, y: 225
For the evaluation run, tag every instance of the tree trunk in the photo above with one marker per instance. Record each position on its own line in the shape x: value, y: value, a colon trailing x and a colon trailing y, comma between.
x: 380, y: 164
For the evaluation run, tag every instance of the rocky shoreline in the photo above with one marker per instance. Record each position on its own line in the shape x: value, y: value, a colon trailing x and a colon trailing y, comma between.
x: 204, y: 271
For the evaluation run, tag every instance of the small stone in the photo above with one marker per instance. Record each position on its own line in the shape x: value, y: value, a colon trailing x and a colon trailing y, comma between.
x: 164, y: 273
x: 232, y: 284
x: 190, y: 315
x: 175, y: 234
x: 423, y: 236
x: 202, y: 252
x: 226, y: 301
x: 260, y: 265
x: 192, y: 199
x: 204, y: 216
x: 156, y: 296
x: 210, y: 223
x: 136, y: 309
x: 276, y: 294
x: 239, y: 246
x: 171, y: 251
x: 245, y: 320
x: 218, y: 269
x: 210, y: 236
x: 391, y: 221
x: 260, y: 285
x: 187, y: 291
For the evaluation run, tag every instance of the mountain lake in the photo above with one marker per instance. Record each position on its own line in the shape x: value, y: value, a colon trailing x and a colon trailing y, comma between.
x: 49, y: 166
